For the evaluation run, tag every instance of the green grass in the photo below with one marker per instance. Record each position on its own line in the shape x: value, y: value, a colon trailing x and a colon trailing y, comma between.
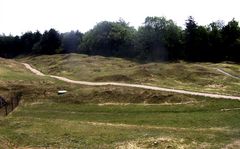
x: 233, y: 69
x: 15, y: 78
x: 108, y: 126
x: 200, y: 115
x: 112, y: 117
x: 180, y: 75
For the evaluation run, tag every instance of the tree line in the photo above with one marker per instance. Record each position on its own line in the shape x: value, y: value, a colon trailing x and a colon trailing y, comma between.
x: 158, y: 39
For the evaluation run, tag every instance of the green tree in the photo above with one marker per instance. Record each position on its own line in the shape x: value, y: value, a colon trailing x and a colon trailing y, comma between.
x: 190, y: 38
x: 215, y: 41
x: 159, y: 39
x: 109, y: 39
x: 231, y: 36
x: 71, y: 41
x: 10, y: 46
x: 28, y: 40
x: 49, y: 43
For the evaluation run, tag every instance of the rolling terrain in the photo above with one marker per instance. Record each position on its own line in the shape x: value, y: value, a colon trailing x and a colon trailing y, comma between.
x: 200, y: 77
x: 113, y: 116
x: 37, y: 72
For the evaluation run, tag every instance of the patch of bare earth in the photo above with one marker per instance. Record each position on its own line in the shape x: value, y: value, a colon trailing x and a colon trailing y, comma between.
x: 160, y: 142
x: 233, y: 109
x: 234, y: 145
x: 31, y: 148
x: 216, y: 86
x: 5, y: 144
x: 157, y: 127
x: 147, y: 104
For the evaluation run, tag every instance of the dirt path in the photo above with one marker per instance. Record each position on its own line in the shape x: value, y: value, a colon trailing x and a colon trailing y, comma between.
x: 131, y: 85
x: 227, y: 74
x: 33, y: 70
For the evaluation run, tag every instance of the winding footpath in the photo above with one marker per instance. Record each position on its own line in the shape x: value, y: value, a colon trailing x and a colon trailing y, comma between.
x: 37, y: 72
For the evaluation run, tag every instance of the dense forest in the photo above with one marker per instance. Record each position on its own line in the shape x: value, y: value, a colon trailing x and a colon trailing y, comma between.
x: 158, y: 39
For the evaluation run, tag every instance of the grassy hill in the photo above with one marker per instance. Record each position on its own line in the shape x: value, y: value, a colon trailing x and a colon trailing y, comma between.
x: 181, y: 75
x: 113, y: 117
x: 14, y: 77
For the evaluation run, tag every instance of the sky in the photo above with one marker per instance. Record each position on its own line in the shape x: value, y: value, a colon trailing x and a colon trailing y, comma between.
x: 19, y: 16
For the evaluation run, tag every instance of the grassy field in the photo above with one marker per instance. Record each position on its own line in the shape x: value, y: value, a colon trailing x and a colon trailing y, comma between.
x: 112, y: 117
x: 201, y: 125
x: 201, y: 77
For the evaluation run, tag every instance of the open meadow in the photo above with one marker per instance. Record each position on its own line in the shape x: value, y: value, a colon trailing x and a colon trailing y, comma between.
x: 118, y: 117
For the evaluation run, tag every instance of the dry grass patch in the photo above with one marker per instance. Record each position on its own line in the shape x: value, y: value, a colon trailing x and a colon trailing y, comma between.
x: 233, y: 145
x: 160, y: 143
